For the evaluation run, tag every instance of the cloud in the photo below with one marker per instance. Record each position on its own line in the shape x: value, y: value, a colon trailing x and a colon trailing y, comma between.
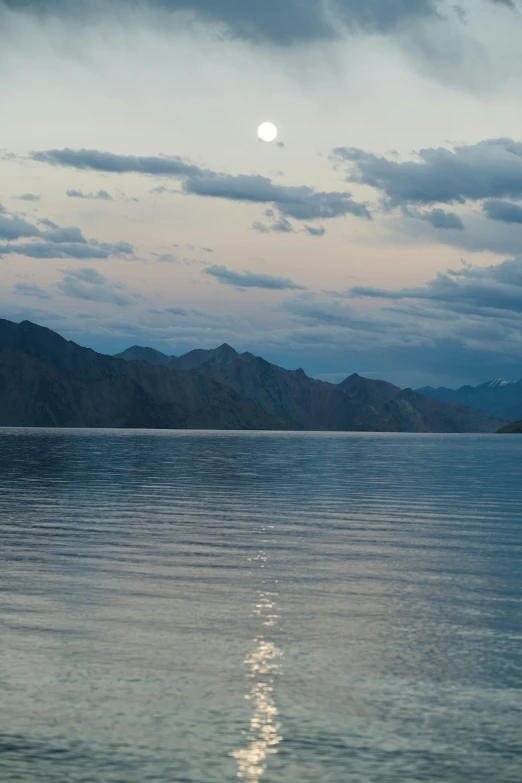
x: 29, y: 289
x: 166, y: 258
x: 55, y: 242
x: 71, y: 234
x: 283, y: 24
x: 91, y: 285
x: 53, y: 250
x: 271, y: 22
x: 314, y: 231
x: 181, y: 311
x: 114, y: 248
x: 408, y: 340
x: 162, y: 189
x: 301, y: 203
x: 93, y: 160
x: 249, y: 279
x: 504, y: 211
x: 310, y: 307
x: 470, y: 289
x: 13, y: 227
x: 28, y: 197
x: 48, y: 223
x: 488, y: 169
x: 283, y: 226
x: 438, y: 218
x: 278, y: 224
x: 298, y: 202
x: 102, y: 195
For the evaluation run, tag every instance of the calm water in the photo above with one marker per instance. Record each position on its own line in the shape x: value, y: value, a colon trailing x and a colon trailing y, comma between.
x: 285, y: 608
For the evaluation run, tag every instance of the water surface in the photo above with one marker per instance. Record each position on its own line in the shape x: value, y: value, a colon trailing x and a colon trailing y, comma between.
x: 269, y: 607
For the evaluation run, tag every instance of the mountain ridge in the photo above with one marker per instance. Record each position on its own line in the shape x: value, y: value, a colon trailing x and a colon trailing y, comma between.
x: 46, y: 380
x: 355, y: 404
x: 497, y: 397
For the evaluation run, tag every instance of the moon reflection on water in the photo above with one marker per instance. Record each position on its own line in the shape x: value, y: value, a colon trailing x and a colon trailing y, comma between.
x: 263, y: 735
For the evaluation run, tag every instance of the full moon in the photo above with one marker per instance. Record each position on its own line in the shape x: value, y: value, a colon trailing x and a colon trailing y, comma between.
x: 267, y: 131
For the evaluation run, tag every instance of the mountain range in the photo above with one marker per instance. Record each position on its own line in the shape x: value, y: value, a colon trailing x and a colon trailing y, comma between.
x: 46, y: 380
x: 498, y: 397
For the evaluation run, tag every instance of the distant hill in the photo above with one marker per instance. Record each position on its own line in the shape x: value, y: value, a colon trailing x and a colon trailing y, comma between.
x: 515, y: 428
x: 497, y: 397
x: 47, y: 381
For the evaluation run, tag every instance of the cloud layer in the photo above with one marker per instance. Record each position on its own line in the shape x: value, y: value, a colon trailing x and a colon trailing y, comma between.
x: 54, y: 242
x: 272, y: 21
x: 250, y: 279
x: 470, y: 289
x: 90, y: 285
x: 486, y: 170
x: 300, y: 203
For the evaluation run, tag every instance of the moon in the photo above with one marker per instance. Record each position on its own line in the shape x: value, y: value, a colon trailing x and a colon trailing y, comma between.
x: 267, y: 131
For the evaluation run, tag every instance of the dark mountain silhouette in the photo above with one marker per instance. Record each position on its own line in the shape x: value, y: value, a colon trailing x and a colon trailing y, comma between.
x: 515, y: 428
x: 46, y: 380
x: 188, y: 361
x: 149, y: 355
x: 498, y: 397
x: 355, y: 404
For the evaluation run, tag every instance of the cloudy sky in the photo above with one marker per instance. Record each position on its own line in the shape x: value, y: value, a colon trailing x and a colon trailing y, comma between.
x: 381, y: 233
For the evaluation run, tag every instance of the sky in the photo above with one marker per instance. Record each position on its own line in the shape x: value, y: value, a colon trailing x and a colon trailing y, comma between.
x: 381, y: 233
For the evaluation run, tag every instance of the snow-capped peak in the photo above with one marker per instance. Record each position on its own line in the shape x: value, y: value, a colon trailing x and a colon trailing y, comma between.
x: 498, y: 382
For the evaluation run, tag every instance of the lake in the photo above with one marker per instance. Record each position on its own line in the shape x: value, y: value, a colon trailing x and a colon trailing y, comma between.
x: 207, y: 607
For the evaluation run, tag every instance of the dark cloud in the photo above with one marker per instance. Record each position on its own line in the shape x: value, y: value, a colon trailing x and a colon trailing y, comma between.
x: 169, y: 258
x: 28, y: 197
x: 271, y: 21
x: 408, y: 340
x: 71, y: 234
x: 488, y: 169
x: 93, y: 160
x: 181, y: 311
x: 53, y: 250
x: 102, y: 195
x: 277, y: 224
x: 13, y: 227
x: 250, y: 279
x: 438, y: 218
x: 470, y: 289
x: 301, y: 203
x: 88, y: 284
x: 160, y: 189
x: 504, y: 211
x: 48, y: 223
x: 166, y: 258
x: 114, y: 248
x: 55, y: 242
x: 314, y: 231
x: 29, y: 289
x: 283, y: 226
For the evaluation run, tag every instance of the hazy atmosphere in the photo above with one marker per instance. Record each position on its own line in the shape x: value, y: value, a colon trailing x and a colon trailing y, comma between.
x: 380, y: 233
